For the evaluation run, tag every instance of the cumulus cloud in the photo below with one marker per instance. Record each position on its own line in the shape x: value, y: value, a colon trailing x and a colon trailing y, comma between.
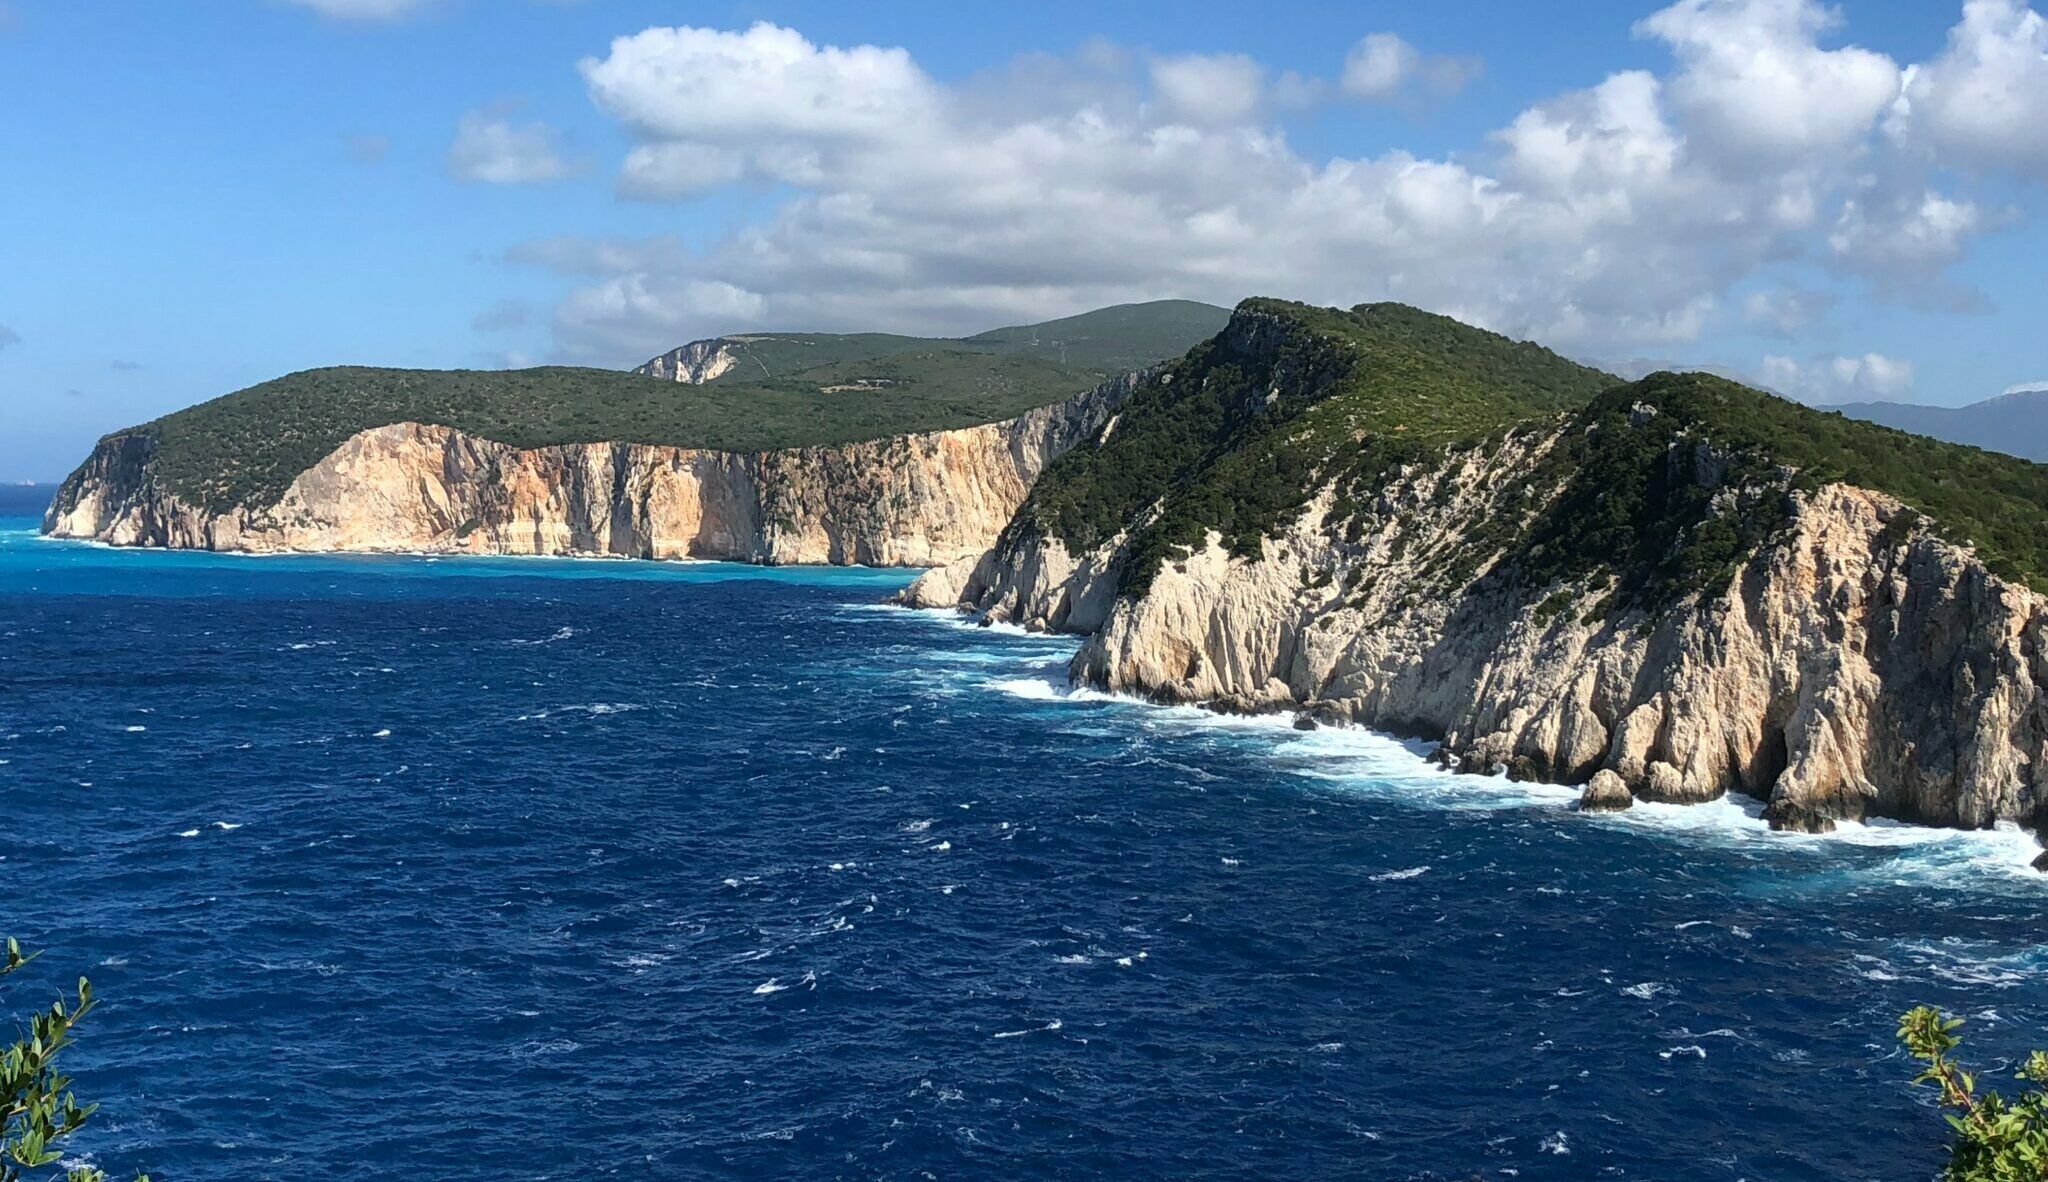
x: 491, y: 149
x: 1753, y: 77
x: 1835, y: 378
x: 1980, y: 103
x: 1383, y: 67
x: 1209, y: 89
x: 1615, y: 218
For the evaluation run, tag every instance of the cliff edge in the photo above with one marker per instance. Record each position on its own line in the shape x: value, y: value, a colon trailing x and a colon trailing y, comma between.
x: 1672, y: 590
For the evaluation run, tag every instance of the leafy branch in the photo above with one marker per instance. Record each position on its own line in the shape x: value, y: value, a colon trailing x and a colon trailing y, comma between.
x: 1996, y: 1140
x: 37, y: 1106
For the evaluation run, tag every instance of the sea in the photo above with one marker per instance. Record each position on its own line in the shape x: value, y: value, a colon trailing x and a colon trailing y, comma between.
x: 453, y: 868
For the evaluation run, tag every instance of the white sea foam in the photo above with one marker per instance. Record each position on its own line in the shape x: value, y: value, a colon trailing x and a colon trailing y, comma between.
x: 1029, y: 688
x: 188, y: 833
x: 1362, y: 761
x: 136, y: 730
x: 1049, y: 1027
x: 562, y: 633
x: 1648, y: 989
x: 1398, y: 875
x: 227, y: 826
x: 382, y: 734
x: 775, y: 985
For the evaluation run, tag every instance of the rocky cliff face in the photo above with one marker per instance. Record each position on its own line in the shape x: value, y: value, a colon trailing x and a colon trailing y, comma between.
x: 908, y: 500
x: 1857, y: 665
x: 695, y: 363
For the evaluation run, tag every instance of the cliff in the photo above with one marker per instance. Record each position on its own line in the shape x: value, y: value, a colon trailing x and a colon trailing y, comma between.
x: 914, y: 499
x: 695, y: 363
x: 1679, y: 590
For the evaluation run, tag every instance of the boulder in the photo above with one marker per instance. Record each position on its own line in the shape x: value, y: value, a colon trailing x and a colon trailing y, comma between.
x: 1605, y: 793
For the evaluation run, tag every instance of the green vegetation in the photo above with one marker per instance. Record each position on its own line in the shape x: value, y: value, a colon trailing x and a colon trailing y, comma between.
x: 1106, y: 341
x: 37, y: 1108
x: 1995, y: 1139
x: 1112, y: 340
x: 1656, y: 490
x: 1632, y: 502
x: 790, y: 390
x: 772, y: 355
x: 1237, y: 435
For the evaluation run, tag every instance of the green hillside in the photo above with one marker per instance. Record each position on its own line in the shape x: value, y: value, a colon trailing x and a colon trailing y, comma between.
x: 1108, y: 340
x: 1240, y: 433
x: 1120, y: 338
x: 1236, y: 436
x: 792, y: 390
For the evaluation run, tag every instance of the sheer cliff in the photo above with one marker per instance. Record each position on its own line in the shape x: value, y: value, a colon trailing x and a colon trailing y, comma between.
x: 912, y: 499
x: 1666, y: 590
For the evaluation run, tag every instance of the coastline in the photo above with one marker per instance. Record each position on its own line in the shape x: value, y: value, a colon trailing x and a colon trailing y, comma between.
x: 2006, y: 847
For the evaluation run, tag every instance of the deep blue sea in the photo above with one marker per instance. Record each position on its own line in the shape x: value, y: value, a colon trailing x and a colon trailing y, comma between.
x: 494, y: 869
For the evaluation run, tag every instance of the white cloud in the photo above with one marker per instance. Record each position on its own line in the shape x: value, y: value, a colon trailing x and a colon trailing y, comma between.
x: 1904, y: 243
x: 1220, y: 88
x: 1613, y: 219
x: 1753, y: 79
x: 1835, y: 378
x: 708, y: 86
x: 1786, y: 311
x: 363, y: 10
x: 1382, y: 67
x: 494, y: 150
x: 1980, y: 103
x: 2035, y: 387
x: 659, y: 172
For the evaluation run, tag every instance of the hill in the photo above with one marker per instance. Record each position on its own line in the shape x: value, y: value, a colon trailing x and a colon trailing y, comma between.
x: 1668, y: 589
x: 1118, y: 338
x: 1293, y: 398
x: 1239, y: 433
x: 2016, y: 424
x: 1109, y: 340
x: 792, y: 390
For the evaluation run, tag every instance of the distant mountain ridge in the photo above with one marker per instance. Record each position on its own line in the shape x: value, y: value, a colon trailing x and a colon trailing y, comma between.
x: 2015, y: 423
x: 1109, y: 340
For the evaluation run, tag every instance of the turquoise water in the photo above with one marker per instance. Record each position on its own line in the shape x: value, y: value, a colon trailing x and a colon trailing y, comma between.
x: 488, y: 868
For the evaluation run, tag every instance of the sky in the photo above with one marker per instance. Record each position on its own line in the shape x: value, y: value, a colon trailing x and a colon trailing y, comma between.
x: 1841, y: 202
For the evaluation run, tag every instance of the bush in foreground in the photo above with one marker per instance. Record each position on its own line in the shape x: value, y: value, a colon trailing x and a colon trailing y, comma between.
x: 1996, y: 1140
x: 37, y: 1109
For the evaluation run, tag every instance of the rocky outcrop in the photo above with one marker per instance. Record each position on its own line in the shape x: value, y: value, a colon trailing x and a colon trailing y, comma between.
x: 695, y: 363
x: 1605, y: 793
x: 1857, y: 665
x: 914, y: 500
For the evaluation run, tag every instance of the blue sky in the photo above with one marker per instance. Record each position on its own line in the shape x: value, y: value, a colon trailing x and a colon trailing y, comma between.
x: 1843, y: 202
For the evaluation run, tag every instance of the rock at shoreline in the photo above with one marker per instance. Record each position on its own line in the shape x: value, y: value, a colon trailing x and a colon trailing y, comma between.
x: 1787, y: 817
x: 1605, y: 793
x: 2041, y: 863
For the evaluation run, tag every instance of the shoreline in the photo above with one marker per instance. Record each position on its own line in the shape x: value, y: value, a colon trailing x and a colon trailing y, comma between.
x: 2007, y: 844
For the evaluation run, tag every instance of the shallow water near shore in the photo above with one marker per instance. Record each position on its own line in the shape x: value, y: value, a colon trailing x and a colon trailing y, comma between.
x: 485, y: 868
